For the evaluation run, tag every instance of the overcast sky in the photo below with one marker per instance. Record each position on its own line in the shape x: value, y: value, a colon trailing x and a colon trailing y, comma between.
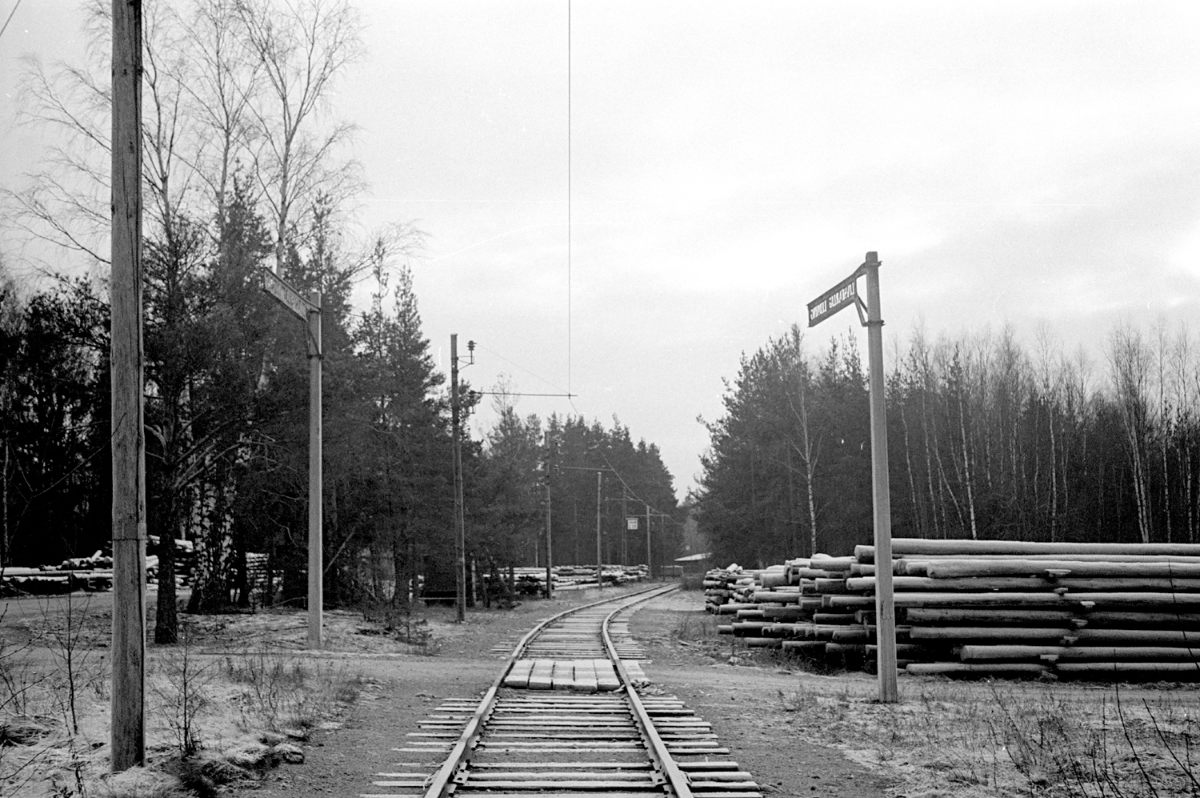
x: 1032, y: 163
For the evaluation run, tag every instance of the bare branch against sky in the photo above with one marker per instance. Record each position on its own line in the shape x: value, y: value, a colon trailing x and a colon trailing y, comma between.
x: 1029, y: 163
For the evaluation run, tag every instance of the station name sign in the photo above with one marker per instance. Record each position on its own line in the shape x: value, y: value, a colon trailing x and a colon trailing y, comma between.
x: 841, y: 295
x: 286, y: 295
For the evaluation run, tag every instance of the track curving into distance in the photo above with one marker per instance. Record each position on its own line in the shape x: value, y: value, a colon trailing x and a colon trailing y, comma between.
x: 565, y: 720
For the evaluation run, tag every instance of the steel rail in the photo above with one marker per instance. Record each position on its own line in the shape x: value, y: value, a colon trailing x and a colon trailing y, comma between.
x: 440, y: 783
x: 680, y: 784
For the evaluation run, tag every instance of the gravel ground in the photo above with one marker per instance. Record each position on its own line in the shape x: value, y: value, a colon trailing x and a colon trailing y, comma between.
x: 799, y: 733
x: 742, y: 703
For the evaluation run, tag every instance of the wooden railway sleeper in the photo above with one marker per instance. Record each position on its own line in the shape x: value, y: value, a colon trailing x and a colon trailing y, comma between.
x: 584, y: 726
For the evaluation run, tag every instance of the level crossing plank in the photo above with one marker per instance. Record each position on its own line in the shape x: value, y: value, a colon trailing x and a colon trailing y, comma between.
x: 518, y: 674
x: 542, y: 675
x: 613, y: 765
x: 566, y: 745
x: 557, y: 722
x: 585, y: 675
x: 561, y: 784
x: 533, y: 739
x: 657, y: 793
x: 560, y: 776
x: 606, y: 676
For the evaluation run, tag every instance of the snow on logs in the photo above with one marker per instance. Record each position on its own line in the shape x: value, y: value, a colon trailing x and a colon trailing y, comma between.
x: 974, y: 607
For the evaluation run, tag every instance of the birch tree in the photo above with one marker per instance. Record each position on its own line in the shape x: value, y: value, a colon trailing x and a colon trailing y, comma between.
x: 1130, y: 361
x: 11, y: 323
x: 302, y: 47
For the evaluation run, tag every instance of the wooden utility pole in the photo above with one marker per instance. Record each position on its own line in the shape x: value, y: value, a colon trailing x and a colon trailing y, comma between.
x: 460, y: 532
x: 549, y: 541
x: 599, y: 558
x: 599, y: 502
x: 649, y: 562
x: 309, y: 311
x: 625, y: 527
x: 128, y: 735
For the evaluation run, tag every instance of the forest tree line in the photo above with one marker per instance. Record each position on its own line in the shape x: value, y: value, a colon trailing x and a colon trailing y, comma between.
x: 240, y: 484
x: 246, y: 169
x: 986, y: 439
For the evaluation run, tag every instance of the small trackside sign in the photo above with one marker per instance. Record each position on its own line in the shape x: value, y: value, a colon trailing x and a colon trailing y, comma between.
x: 286, y: 295
x: 841, y: 295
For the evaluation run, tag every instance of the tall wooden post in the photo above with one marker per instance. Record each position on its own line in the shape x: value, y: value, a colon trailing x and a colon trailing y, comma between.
x: 460, y: 532
x: 624, y: 527
x: 316, y: 559
x: 844, y: 295
x: 599, y: 558
x: 885, y: 607
x: 308, y: 311
x: 549, y: 540
x: 649, y: 560
x: 128, y: 438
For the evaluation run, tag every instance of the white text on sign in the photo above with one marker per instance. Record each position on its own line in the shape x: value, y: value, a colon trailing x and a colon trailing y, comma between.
x: 832, y: 302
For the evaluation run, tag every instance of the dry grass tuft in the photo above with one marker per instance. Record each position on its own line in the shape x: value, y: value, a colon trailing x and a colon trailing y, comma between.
x: 54, y: 716
x: 283, y: 693
x: 1012, y: 739
x: 139, y: 783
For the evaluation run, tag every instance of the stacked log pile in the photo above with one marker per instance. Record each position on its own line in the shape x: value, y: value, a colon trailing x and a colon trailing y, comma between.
x: 785, y: 607
x: 988, y: 607
x: 723, y: 586
x: 16, y: 581
x: 531, y: 581
x: 94, y: 573
x: 998, y: 607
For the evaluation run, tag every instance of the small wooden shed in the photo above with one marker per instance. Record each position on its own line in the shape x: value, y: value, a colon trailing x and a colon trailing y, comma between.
x: 693, y: 564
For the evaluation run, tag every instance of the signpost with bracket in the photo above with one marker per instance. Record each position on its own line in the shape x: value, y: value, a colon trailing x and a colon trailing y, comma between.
x: 843, y: 295
x: 308, y: 311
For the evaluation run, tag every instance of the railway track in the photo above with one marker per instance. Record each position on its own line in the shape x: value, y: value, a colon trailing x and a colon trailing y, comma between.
x: 564, y: 719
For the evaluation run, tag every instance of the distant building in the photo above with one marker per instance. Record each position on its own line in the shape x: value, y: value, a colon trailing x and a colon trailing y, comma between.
x: 694, y: 564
